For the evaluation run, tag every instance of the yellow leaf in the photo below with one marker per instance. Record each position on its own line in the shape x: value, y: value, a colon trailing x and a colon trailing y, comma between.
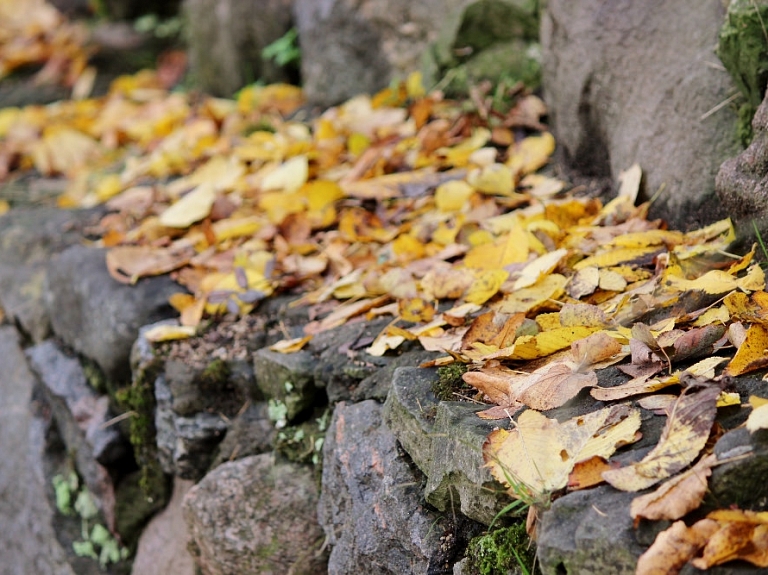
x: 414, y: 85
x: 758, y: 419
x: 452, y: 196
x: 584, y: 282
x: 510, y: 248
x: 717, y: 282
x: 191, y: 208
x: 526, y: 299
x: 531, y: 153
x: 485, y: 285
x: 291, y: 345
x: 752, y: 354
x: 492, y: 179
x: 289, y: 177
x: 538, y: 453
x: 108, y: 187
x: 548, y: 342
x: 169, y: 332
x: 539, y: 267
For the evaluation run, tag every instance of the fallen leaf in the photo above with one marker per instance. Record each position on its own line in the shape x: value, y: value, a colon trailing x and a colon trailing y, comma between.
x: 675, y: 547
x: 684, y: 436
x: 191, y: 208
x: 677, y: 496
x: 169, y: 332
x: 752, y: 354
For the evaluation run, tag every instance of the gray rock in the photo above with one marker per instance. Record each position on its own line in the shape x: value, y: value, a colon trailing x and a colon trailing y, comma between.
x: 371, y: 505
x: 739, y: 480
x: 587, y: 532
x: 342, y: 362
x: 457, y: 475
x: 185, y: 445
x: 28, y: 542
x: 353, y: 48
x: 250, y: 433
x: 79, y: 411
x: 97, y: 316
x: 742, y: 182
x: 287, y: 378
x: 410, y: 412
x: 28, y: 239
x: 226, y: 38
x: 377, y: 385
x: 162, y: 548
x: 634, y: 82
x: 254, y: 516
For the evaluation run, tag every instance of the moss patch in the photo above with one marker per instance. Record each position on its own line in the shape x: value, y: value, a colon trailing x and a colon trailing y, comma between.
x: 502, y: 551
x: 449, y: 382
x: 743, y: 49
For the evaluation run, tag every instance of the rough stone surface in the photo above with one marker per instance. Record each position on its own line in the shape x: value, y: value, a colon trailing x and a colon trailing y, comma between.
x: 226, y: 38
x: 185, y: 444
x: 255, y: 515
x: 458, y: 478
x: 28, y: 543
x: 76, y: 404
x: 371, y: 504
x: 742, y: 182
x: 162, y: 548
x: 97, y: 316
x: 28, y: 239
x: 287, y: 378
x: 250, y: 433
x: 633, y: 82
x: 589, y: 532
x: 350, y: 48
x: 410, y: 412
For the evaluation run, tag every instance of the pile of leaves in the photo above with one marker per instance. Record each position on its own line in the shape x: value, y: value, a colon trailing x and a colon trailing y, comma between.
x: 34, y: 33
x: 431, y: 212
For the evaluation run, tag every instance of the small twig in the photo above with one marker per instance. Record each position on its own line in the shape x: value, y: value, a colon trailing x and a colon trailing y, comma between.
x: 722, y: 104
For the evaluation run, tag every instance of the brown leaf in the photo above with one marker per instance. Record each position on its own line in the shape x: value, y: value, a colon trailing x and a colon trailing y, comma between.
x: 674, y: 547
x: 676, y: 497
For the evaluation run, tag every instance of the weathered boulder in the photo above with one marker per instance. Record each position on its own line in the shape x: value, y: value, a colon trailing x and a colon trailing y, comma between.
x: 287, y: 379
x: 589, y: 532
x: 255, y: 516
x: 97, y: 316
x: 634, y: 82
x: 371, y: 504
x: 28, y: 543
x: 742, y: 182
x: 349, y: 48
x: 226, y: 39
x: 29, y: 238
x: 162, y: 548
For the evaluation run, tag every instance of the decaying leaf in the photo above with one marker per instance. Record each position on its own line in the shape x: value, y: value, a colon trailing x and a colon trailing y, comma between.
x: 538, y: 453
x: 677, y: 496
x: 753, y: 353
x: 684, y: 436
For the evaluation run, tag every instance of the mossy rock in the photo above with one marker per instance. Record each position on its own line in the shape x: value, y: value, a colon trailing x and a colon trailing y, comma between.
x: 743, y: 49
x: 502, y: 551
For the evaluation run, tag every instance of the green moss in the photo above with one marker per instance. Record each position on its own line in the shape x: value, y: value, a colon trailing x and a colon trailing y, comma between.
x: 215, y: 373
x: 504, y: 550
x: 743, y: 49
x: 449, y: 381
x: 139, y: 398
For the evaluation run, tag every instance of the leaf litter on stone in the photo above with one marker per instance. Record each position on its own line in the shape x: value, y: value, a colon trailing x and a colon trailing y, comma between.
x: 405, y: 204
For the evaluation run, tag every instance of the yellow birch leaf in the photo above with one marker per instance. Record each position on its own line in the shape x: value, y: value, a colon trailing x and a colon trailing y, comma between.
x: 191, y: 208
x: 541, y: 266
x: 716, y: 282
x: 611, y: 281
x: 108, y: 187
x: 531, y: 153
x: 493, y: 179
x: 508, y: 249
x: 539, y: 453
x: 548, y: 342
x: 526, y: 299
x: 288, y: 177
x: 291, y: 345
x: 728, y: 398
x: 485, y: 285
x: 452, y: 196
x: 752, y: 354
x: 714, y: 315
x: 321, y: 193
x: 169, y: 332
